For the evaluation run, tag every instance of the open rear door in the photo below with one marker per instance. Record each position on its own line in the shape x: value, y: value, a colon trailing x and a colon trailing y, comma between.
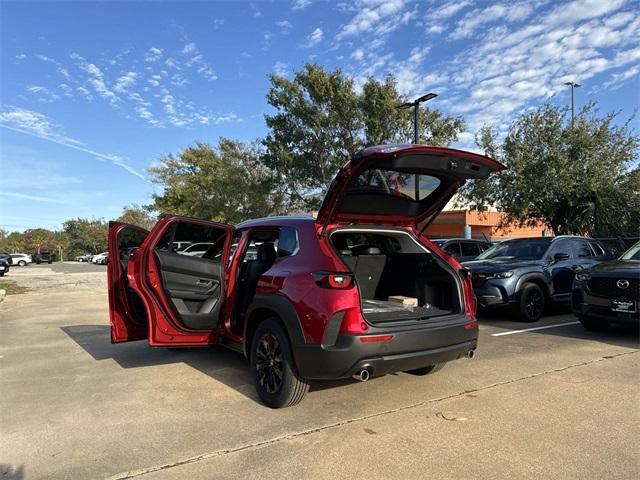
x: 400, y: 184
x: 126, y: 311
x: 183, y: 289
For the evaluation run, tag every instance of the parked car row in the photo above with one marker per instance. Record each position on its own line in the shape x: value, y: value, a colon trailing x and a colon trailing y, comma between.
x: 98, y: 259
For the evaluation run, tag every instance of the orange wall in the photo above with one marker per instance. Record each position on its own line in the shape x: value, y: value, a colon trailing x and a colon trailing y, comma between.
x: 451, y: 224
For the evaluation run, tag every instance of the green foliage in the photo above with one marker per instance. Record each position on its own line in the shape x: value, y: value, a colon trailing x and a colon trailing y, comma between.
x: 580, y: 179
x: 226, y: 184
x: 137, y: 215
x: 39, y: 239
x: 321, y: 120
x: 11, y: 242
x: 85, y: 236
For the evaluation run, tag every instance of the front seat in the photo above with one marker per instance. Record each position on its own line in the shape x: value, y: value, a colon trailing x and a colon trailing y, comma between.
x: 253, y: 270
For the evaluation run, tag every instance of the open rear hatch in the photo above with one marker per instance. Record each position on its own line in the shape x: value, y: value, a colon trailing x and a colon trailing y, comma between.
x: 399, y: 184
x: 402, y: 186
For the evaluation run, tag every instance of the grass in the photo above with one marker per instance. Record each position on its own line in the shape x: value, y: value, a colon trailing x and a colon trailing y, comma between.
x: 12, y: 288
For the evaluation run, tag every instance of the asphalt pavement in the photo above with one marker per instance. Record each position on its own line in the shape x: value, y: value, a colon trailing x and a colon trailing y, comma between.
x: 554, y: 402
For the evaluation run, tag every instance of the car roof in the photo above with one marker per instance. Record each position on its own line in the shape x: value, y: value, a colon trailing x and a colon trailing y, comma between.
x: 278, y: 221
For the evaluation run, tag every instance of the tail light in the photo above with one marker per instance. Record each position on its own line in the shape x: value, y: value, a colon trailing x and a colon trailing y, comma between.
x: 469, y: 297
x: 333, y: 279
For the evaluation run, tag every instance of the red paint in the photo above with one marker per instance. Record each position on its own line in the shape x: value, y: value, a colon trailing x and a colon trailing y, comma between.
x: 290, y: 277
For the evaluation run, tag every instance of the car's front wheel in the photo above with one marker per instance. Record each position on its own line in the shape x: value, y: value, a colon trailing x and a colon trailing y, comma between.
x: 275, y: 375
x: 22, y: 263
x: 593, y: 324
x: 531, y: 303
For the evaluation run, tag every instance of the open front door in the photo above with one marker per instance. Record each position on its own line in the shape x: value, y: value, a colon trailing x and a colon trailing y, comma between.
x: 126, y: 311
x: 181, y: 279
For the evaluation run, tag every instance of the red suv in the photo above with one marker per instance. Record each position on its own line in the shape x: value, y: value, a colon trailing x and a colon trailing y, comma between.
x: 358, y: 291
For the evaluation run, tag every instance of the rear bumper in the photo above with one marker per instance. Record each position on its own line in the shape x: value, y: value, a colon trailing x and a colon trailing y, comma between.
x: 408, y: 349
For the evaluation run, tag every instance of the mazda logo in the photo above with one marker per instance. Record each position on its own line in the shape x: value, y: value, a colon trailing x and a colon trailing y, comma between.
x: 623, y: 283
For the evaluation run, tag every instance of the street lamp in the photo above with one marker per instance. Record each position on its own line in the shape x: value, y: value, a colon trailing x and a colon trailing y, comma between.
x: 573, y: 86
x: 415, y: 104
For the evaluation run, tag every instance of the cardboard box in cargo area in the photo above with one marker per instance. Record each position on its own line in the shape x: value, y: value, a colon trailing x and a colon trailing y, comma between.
x: 408, y: 301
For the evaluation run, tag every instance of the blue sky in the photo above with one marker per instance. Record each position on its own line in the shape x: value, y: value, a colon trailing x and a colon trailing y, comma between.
x: 93, y: 93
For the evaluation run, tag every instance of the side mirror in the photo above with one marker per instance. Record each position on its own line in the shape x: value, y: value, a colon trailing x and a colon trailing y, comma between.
x: 561, y: 256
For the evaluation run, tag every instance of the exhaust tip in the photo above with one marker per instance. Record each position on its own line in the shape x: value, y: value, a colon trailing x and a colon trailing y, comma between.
x: 471, y: 354
x: 363, y: 376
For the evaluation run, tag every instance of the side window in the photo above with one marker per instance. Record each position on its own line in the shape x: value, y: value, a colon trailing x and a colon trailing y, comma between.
x: 561, y: 246
x: 582, y: 248
x: 453, y: 249
x: 204, y: 241
x: 165, y: 244
x: 469, y: 249
x: 287, y: 243
x: 597, y: 249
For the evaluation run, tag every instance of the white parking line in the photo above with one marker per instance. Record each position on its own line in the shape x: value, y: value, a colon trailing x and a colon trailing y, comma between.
x: 511, y: 332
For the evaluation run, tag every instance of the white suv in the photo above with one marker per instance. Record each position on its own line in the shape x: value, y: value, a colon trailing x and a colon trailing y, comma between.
x: 21, y: 259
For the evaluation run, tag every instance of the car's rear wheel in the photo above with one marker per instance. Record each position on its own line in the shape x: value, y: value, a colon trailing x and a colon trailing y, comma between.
x: 275, y: 375
x: 427, y: 370
x: 531, y: 303
x: 22, y: 263
x: 593, y: 324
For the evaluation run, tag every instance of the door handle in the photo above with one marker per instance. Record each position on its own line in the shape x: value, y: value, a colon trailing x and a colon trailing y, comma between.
x: 203, y: 282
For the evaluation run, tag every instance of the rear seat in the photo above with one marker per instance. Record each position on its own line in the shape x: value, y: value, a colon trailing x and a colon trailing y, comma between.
x: 367, y: 264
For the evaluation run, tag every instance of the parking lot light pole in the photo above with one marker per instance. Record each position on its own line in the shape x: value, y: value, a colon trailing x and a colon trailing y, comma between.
x: 573, y: 86
x: 415, y: 104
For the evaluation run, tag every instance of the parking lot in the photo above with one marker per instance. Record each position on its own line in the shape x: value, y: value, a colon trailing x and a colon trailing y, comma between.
x: 543, y: 400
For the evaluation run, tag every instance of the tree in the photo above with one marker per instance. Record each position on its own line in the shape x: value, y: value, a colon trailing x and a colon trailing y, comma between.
x: 580, y: 179
x: 227, y: 184
x: 137, y: 215
x: 85, y: 236
x: 11, y: 241
x: 39, y: 239
x: 321, y: 121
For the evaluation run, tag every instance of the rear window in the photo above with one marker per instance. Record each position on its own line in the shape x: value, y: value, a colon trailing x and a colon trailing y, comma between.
x: 412, y: 186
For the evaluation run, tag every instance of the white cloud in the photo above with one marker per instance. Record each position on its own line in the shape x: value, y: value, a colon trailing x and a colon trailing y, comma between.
x: 38, y: 125
x: 617, y: 79
x: 284, y: 25
x: 21, y: 56
x: 198, y: 62
x: 96, y: 79
x: 314, y: 38
x: 153, y: 55
x: 217, y: 23
x: 125, y: 82
x: 300, y: 4
x: 189, y: 48
x: 281, y: 69
x: 473, y: 20
x: 34, y: 198
x: 376, y: 16
x: 43, y: 93
x: 358, y: 54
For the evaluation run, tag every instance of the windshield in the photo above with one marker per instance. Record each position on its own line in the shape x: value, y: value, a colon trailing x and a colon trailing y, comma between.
x: 529, y: 249
x: 633, y: 253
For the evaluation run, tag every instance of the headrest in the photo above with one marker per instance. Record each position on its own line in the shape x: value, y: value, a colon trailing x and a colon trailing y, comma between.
x: 366, y: 250
x: 266, y: 253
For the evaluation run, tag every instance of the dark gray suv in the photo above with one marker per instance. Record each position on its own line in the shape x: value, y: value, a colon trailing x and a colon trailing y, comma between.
x: 527, y: 274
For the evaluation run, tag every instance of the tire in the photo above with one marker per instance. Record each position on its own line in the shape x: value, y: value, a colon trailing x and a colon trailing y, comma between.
x: 270, y: 353
x: 531, y: 303
x: 1, y: 274
x: 593, y: 324
x: 50, y: 262
x: 22, y: 263
x: 427, y: 370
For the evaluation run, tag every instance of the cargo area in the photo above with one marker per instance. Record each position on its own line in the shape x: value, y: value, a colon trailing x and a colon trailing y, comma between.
x: 398, y: 278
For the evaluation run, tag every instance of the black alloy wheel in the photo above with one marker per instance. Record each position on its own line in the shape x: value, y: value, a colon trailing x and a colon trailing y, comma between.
x: 531, y: 303
x: 269, y: 363
x: 274, y: 371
